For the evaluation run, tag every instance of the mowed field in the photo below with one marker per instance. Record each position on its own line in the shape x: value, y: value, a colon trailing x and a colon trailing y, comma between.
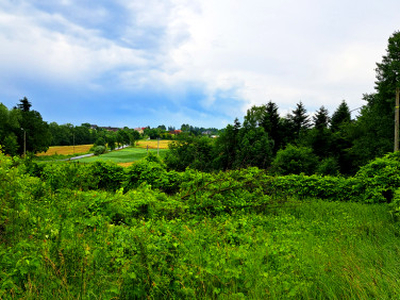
x: 124, y: 157
x: 66, y: 150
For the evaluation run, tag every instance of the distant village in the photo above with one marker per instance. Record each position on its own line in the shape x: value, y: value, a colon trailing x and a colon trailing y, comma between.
x: 211, y: 132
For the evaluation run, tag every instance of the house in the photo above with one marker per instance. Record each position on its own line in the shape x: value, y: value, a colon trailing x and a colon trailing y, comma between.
x: 140, y: 129
x: 108, y: 128
x: 175, y: 132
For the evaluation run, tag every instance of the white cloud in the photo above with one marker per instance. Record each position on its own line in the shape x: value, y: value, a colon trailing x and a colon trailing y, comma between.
x: 254, y: 51
x: 72, y: 54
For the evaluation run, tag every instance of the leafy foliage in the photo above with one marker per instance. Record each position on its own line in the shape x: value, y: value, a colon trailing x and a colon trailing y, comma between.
x: 295, y: 160
x: 98, y: 150
x: 380, y: 179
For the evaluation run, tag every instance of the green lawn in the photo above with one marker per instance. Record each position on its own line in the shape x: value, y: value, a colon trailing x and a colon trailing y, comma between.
x: 124, y: 155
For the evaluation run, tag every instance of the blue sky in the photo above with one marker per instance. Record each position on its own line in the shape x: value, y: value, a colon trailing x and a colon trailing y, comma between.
x: 203, y: 62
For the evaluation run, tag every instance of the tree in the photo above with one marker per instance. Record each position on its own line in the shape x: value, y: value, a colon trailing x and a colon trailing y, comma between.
x: 295, y: 160
x: 299, y: 119
x: 254, y: 148
x: 226, y: 146
x: 271, y: 122
x: 193, y: 152
x: 25, y: 105
x: 111, y: 139
x: 254, y: 116
x: 162, y: 127
x: 341, y: 116
x: 373, y: 132
x: 35, y: 132
x: 9, y: 124
x: 321, y: 119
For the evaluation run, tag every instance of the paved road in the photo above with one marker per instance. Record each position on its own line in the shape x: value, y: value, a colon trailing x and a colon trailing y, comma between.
x: 91, y: 154
x: 80, y: 156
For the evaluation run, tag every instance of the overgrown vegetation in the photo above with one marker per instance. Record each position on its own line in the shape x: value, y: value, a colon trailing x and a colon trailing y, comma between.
x: 98, y: 230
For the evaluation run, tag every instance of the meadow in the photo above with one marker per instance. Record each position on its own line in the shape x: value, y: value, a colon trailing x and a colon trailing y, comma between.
x: 124, y: 157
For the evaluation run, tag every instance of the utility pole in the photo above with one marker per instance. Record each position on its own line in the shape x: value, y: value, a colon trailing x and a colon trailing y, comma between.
x: 24, y: 141
x: 396, y: 121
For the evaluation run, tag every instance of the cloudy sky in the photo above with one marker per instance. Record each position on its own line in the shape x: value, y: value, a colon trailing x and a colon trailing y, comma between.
x: 203, y: 62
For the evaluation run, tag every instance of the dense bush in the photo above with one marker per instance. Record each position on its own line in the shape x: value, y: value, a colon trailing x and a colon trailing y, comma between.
x: 98, y: 150
x: 69, y: 176
x: 193, y: 152
x: 379, y: 180
x: 108, y: 174
x: 295, y: 160
x: 328, y: 166
x: 152, y: 173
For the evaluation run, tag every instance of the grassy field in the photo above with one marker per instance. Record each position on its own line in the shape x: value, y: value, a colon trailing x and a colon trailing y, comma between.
x: 66, y: 150
x: 124, y: 157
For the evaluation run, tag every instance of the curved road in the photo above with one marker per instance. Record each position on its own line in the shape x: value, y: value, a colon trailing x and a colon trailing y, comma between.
x: 91, y: 154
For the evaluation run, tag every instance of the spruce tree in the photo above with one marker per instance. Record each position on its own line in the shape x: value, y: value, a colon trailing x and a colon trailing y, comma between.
x: 341, y: 116
x: 321, y: 118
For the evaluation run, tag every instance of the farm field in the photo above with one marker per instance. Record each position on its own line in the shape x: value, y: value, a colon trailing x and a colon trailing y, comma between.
x: 66, y: 150
x: 152, y: 144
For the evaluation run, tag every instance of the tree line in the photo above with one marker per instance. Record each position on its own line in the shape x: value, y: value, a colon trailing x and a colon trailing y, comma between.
x: 298, y: 143
x: 23, y: 130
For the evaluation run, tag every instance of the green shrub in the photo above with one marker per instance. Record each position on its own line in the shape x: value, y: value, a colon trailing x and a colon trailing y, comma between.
x: 154, y: 174
x: 332, y: 188
x: 98, y: 150
x: 109, y: 176
x: 395, y: 204
x: 328, y: 166
x: 69, y: 175
x: 295, y: 160
x: 378, y: 180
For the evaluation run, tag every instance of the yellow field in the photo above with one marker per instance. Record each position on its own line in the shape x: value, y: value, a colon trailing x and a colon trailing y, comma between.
x: 127, y: 164
x: 66, y: 150
x: 152, y: 144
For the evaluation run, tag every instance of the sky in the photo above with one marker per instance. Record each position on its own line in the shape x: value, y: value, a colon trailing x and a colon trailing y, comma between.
x: 143, y: 63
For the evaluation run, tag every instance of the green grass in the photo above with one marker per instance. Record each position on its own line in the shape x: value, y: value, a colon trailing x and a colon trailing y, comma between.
x: 125, y: 155
x: 300, y: 250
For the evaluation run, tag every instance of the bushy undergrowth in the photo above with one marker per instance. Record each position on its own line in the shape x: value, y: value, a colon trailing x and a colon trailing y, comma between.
x: 100, y: 231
